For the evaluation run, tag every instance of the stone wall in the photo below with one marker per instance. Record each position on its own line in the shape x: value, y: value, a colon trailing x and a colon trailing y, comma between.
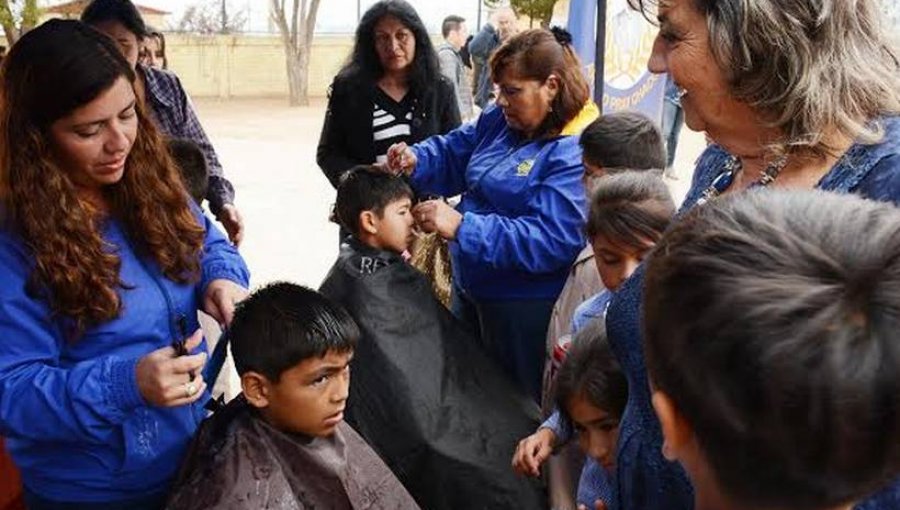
x: 249, y: 65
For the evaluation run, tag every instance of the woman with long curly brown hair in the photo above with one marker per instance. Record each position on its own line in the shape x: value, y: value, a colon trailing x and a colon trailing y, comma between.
x: 103, y: 266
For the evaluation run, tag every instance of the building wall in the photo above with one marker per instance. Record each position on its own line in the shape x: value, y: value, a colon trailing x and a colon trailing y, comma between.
x: 250, y: 66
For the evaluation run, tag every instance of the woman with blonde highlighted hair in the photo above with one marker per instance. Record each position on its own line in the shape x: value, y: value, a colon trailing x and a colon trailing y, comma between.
x: 794, y: 94
x: 104, y: 264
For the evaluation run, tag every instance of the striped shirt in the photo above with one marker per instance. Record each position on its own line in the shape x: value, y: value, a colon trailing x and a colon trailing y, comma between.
x: 391, y: 122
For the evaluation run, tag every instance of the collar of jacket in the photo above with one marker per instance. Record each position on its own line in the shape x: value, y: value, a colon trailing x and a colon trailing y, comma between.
x: 589, y: 113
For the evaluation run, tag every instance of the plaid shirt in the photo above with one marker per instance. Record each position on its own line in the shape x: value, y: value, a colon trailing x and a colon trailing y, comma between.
x: 175, y: 116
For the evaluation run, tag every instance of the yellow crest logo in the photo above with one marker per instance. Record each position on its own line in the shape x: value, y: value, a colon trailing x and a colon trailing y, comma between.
x: 524, y: 168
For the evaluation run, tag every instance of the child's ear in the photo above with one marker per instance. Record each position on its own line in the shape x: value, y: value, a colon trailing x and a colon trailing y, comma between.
x: 677, y: 432
x: 256, y: 389
x: 368, y: 222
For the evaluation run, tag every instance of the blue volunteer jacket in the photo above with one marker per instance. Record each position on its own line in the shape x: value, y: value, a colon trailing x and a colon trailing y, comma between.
x: 523, y: 204
x: 76, y: 424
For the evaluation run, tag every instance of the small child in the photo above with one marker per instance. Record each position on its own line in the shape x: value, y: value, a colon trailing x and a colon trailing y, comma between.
x: 630, y: 211
x: 376, y: 208
x: 591, y: 392
x: 283, y: 443
x: 426, y: 397
x: 621, y: 141
x: 192, y: 163
x: 771, y: 324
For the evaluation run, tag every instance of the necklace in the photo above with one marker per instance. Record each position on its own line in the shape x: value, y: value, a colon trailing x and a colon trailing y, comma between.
x: 732, y: 168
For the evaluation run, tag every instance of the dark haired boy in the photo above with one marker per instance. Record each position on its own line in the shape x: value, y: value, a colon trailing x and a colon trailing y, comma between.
x: 282, y: 443
x: 376, y: 208
x: 192, y: 164
x: 771, y: 324
x: 425, y: 396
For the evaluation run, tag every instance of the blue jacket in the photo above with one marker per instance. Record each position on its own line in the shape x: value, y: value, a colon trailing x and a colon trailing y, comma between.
x: 646, y: 480
x: 523, y: 205
x: 76, y: 424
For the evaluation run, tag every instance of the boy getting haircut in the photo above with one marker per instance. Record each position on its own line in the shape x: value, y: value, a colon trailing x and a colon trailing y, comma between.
x: 771, y: 325
x: 192, y: 163
x: 284, y: 324
x: 364, y: 188
x: 425, y: 395
x: 282, y: 443
x: 623, y: 140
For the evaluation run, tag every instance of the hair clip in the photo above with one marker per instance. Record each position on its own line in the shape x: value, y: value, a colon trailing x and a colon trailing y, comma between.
x: 561, y: 35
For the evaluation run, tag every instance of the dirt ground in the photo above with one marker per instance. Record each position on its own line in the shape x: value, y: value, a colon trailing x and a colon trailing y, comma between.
x: 268, y: 151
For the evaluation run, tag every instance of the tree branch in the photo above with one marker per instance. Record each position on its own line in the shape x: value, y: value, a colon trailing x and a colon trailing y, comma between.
x: 311, y: 21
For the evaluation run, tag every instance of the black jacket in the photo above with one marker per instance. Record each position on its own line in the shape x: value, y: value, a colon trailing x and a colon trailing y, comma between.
x: 347, y: 138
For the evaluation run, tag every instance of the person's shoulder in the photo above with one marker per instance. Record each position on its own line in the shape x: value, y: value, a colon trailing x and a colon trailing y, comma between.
x: 871, y: 170
x: 709, y: 165
x: 155, y: 75
x: 445, y: 86
x: 882, y: 182
x: 491, y: 121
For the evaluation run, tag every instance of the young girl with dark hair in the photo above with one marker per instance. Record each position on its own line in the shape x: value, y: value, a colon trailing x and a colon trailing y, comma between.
x: 591, y: 392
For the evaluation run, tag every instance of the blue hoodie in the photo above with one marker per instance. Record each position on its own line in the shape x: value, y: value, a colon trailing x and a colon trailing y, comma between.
x: 523, y: 204
x: 76, y: 425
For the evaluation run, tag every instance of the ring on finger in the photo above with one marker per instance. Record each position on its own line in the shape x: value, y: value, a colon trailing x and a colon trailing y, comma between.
x: 189, y: 390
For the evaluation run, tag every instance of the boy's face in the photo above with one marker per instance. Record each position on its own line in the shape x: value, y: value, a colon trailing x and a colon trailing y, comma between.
x: 598, y: 431
x: 617, y: 262
x: 310, y: 397
x: 394, y: 228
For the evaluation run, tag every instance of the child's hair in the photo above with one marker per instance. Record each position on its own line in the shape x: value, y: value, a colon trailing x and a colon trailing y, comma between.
x: 623, y: 140
x: 771, y: 320
x: 192, y: 163
x: 630, y: 209
x: 364, y: 188
x: 590, y: 369
x: 122, y: 11
x: 282, y: 324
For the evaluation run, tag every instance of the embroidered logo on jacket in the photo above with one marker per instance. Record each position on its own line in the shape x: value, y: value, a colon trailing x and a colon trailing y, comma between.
x: 524, y: 168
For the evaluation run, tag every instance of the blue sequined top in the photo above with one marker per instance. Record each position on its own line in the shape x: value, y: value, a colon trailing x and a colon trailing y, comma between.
x: 646, y: 480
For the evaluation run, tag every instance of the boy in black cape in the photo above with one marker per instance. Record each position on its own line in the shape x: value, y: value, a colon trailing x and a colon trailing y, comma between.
x: 427, y: 399
x: 281, y: 443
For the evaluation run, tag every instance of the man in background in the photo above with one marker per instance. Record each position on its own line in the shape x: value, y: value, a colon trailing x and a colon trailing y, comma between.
x: 455, y: 33
x: 500, y: 27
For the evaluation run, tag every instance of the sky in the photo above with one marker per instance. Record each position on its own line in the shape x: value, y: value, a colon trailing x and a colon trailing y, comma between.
x: 335, y: 16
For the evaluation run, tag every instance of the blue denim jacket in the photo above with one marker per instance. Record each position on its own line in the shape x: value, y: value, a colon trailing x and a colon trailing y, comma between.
x: 645, y: 480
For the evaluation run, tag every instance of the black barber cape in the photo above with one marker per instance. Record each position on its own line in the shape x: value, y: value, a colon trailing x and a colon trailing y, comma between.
x: 237, y: 461
x: 443, y: 417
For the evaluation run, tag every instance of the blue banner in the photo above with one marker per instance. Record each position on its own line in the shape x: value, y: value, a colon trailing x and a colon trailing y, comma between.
x: 582, y: 24
x: 628, y: 85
